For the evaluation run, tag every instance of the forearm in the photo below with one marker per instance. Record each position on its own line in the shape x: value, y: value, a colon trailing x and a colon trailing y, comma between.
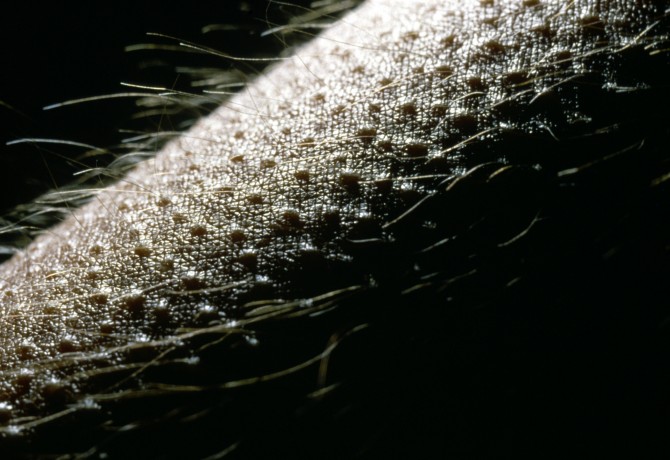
x: 298, y: 187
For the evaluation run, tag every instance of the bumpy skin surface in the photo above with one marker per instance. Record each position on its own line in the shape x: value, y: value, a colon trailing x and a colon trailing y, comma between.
x: 410, y: 237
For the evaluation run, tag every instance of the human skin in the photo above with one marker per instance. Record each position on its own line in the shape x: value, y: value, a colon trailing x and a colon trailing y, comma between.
x: 393, y: 179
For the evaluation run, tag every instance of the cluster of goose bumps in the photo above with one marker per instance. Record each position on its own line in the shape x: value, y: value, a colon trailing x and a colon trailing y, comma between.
x: 427, y: 189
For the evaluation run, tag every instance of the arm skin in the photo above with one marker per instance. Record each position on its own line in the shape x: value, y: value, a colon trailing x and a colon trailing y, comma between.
x: 410, y: 237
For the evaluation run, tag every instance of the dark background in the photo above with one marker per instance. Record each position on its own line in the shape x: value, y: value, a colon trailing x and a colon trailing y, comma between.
x: 57, y: 51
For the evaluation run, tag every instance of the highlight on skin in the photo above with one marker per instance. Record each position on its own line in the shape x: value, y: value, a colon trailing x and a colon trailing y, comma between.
x: 393, y: 204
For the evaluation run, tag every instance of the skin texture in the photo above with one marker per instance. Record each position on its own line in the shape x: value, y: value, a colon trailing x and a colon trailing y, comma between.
x: 406, y: 238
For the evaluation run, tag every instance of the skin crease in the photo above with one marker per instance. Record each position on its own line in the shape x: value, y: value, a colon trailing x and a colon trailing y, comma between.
x: 288, y: 207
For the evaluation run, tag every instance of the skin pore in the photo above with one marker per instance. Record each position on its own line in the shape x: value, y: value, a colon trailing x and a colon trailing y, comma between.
x: 455, y: 189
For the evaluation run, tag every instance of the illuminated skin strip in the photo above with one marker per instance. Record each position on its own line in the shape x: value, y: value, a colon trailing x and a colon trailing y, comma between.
x: 191, y: 218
